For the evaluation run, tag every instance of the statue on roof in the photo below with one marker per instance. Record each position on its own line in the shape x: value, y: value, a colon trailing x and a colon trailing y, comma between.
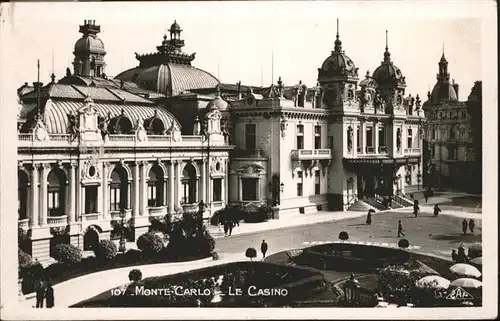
x: 102, y: 124
x: 68, y: 72
x: 73, y: 126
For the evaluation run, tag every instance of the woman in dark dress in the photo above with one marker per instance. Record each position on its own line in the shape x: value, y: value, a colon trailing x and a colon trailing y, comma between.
x: 49, y: 296
x: 369, y: 217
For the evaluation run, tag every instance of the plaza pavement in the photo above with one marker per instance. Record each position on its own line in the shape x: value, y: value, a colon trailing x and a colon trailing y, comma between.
x: 297, y: 230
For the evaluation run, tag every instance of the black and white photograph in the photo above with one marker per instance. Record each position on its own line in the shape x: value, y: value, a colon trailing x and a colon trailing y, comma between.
x: 248, y: 155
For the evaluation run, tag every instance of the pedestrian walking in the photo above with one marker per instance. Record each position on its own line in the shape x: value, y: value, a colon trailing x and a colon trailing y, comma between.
x: 263, y: 248
x: 400, y: 229
x: 40, y: 294
x: 226, y: 227
x: 464, y: 226
x: 369, y: 216
x: 461, y: 258
x: 454, y: 255
x: 471, y: 226
x: 49, y: 296
x: 230, y: 226
x: 426, y: 195
x: 437, y: 210
x: 416, y: 208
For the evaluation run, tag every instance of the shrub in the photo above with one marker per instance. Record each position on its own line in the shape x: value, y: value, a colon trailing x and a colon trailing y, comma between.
x: 251, y: 253
x: 105, y: 250
x: 262, y: 214
x: 344, y: 236
x: 132, y: 256
x: 150, y: 243
x: 215, y: 256
x: 135, y: 275
x: 403, y: 243
x: 67, y: 253
x: 55, y: 270
x: 24, y: 259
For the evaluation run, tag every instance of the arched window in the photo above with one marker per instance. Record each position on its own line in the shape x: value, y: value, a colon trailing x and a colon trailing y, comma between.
x: 120, y: 125
x: 56, y: 192
x: 154, y: 126
x: 22, y: 194
x: 156, y: 187
x: 189, y: 184
x: 118, y: 189
x: 409, y: 138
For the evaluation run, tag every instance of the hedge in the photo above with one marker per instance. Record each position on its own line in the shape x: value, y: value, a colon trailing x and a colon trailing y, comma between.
x: 150, y: 242
x: 105, y: 250
x: 66, y: 253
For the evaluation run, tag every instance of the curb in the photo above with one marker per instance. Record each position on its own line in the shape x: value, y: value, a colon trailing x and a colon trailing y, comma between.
x: 83, y: 277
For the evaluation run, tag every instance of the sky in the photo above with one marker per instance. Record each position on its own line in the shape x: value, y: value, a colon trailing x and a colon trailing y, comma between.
x: 253, y: 42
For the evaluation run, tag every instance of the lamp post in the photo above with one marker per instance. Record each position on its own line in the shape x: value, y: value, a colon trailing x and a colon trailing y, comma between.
x: 123, y: 215
x: 351, y: 290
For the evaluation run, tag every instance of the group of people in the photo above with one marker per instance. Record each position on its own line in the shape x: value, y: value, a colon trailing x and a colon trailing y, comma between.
x: 460, y: 257
x: 468, y: 225
x: 228, y: 225
x: 44, y: 293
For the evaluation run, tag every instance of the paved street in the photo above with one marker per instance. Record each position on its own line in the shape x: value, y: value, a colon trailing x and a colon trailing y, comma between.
x: 435, y: 235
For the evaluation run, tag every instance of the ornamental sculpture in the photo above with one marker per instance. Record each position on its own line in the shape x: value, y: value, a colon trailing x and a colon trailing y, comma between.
x: 398, y: 139
x: 349, y: 138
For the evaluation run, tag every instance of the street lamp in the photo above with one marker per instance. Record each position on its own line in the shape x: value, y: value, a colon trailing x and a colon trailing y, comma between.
x: 123, y: 215
x: 351, y: 290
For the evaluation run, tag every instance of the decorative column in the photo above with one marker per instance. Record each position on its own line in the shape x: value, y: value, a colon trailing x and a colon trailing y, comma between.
x: 240, y: 190
x: 135, y: 208
x: 71, y: 194
x: 78, y: 193
x: 43, y: 194
x: 143, y: 190
x: 34, y: 218
x: 204, y: 180
x: 105, y: 191
x: 362, y: 132
x: 82, y: 201
x: 226, y: 182
x: 171, y: 187
x: 259, y: 183
x: 376, y: 138
x: 178, y: 184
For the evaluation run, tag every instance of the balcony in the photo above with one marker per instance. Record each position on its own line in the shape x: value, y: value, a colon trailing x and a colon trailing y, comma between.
x: 412, y: 151
x: 24, y: 223
x: 57, y: 220
x: 249, y: 153
x: 311, y: 154
x: 115, y: 215
x: 190, y: 208
x: 91, y: 217
x: 159, y: 211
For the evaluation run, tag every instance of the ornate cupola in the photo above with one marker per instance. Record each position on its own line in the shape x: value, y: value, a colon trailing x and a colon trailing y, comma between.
x: 89, y: 51
x: 338, y: 75
x: 443, y: 89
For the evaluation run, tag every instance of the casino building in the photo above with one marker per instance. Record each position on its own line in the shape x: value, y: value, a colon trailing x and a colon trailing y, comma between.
x: 149, y: 144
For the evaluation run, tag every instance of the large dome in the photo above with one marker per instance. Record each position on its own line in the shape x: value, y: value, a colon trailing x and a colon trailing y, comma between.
x: 387, y: 74
x: 338, y: 63
x: 170, y: 79
x: 89, y: 43
x: 443, y: 91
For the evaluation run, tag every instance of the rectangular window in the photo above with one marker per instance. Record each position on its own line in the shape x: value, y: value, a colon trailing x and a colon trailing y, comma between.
x: 317, y: 137
x: 433, y: 134
x: 151, y: 195
x: 249, y: 189
x: 115, y: 199
x: 250, y: 136
x: 452, y: 153
x: 330, y: 142
x: 217, y: 189
x: 452, y: 133
x: 369, y: 137
x: 317, y: 183
x: 433, y: 151
x: 409, y: 138
x: 300, y: 183
x: 381, y: 136
x: 300, y: 136
x: 91, y: 199
x: 358, y: 140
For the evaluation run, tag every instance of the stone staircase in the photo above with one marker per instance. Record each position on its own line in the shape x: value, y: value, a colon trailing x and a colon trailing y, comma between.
x: 373, y: 203
x: 360, y: 206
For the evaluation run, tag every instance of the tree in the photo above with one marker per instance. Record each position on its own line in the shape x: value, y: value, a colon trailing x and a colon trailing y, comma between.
x: 344, y: 236
x: 105, y: 250
x: 404, y: 244
x: 135, y: 275
x: 251, y: 253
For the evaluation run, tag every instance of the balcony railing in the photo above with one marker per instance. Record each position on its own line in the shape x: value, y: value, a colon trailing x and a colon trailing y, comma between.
x: 382, y: 149
x: 249, y: 153
x: 370, y: 150
x: 311, y: 154
x: 91, y: 217
x: 412, y: 150
x: 157, y: 211
x: 57, y: 220
x: 24, y: 223
x: 66, y: 141
x: 115, y: 215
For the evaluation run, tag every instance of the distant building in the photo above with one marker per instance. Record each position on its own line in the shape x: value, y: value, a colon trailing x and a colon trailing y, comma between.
x: 149, y: 144
x: 453, y: 145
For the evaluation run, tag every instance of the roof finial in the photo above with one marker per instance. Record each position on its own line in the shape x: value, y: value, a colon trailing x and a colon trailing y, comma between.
x: 337, y: 27
x: 338, y: 43
x: 386, y: 40
x: 217, y: 90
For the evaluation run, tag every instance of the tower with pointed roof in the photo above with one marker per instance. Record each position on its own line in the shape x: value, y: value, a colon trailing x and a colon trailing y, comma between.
x: 89, y: 51
x: 338, y: 76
